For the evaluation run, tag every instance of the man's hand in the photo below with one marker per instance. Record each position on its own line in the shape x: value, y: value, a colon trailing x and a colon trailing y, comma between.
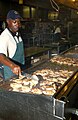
x: 16, y: 69
x: 6, y: 61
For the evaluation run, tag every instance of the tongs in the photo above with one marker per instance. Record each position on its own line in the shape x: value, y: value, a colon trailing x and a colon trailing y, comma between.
x: 33, y: 77
x: 29, y: 76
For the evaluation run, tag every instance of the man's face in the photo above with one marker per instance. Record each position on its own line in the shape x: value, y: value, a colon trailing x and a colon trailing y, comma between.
x: 14, y: 25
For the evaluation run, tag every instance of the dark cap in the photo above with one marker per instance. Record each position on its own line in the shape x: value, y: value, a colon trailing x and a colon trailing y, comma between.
x: 12, y: 14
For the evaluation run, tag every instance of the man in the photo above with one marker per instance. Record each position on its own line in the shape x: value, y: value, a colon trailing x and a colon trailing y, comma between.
x: 57, y: 33
x: 11, y: 46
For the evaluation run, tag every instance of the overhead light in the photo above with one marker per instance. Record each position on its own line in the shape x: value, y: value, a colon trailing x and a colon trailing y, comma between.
x: 73, y: 0
x: 20, y: 1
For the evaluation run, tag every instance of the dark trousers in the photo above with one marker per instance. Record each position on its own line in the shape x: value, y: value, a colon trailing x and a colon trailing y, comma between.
x: 57, y: 37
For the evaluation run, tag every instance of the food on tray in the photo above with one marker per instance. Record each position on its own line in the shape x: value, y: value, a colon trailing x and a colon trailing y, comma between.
x: 36, y: 91
x: 49, y: 83
x: 65, y: 60
x: 52, y: 75
x: 25, y: 89
x: 15, y: 85
x: 49, y: 92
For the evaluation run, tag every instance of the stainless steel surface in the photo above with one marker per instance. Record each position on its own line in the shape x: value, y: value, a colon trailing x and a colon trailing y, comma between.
x: 17, y: 106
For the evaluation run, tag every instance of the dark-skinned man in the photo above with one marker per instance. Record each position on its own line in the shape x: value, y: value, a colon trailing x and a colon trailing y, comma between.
x: 11, y: 46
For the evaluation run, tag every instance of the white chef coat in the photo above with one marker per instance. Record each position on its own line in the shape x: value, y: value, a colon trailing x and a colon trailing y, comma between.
x: 10, y: 46
x: 7, y: 43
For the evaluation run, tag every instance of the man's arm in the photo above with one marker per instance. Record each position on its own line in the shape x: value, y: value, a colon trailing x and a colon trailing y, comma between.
x: 15, y: 68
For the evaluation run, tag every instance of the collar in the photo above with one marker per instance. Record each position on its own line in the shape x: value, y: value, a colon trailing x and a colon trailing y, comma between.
x: 14, y: 34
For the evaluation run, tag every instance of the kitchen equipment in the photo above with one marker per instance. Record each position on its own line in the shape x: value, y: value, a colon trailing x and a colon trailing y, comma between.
x: 29, y: 106
x: 20, y: 106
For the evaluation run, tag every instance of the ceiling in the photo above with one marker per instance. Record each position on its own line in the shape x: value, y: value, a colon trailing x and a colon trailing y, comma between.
x: 69, y: 3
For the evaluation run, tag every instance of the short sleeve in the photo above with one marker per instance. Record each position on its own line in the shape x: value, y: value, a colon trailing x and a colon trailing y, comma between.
x: 3, y: 44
